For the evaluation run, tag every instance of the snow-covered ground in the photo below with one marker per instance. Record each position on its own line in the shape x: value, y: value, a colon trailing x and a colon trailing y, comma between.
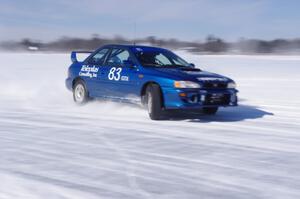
x: 51, y: 148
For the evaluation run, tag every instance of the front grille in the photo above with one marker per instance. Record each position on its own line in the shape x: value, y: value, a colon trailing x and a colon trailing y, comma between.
x: 217, y: 99
x: 215, y: 85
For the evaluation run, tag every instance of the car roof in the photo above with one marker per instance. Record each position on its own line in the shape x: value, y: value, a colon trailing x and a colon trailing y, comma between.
x: 135, y: 47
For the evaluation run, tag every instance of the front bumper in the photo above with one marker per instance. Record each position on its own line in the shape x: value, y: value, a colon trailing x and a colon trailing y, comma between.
x: 199, y: 98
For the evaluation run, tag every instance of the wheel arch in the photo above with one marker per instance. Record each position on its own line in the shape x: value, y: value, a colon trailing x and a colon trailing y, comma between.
x: 144, y: 88
x: 85, y: 85
x: 77, y: 79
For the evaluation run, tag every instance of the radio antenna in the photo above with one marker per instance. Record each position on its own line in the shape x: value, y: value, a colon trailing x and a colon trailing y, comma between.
x: 134, y: 33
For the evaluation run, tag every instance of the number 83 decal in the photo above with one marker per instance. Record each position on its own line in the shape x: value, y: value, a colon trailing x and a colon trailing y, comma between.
x: 115, y: 74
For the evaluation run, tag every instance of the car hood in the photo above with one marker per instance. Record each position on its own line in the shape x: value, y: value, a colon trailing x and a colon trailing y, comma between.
x: 191, y: 74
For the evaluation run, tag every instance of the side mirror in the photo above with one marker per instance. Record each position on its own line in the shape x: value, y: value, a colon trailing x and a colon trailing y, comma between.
x: 192, y: 65
x: 129, y: 64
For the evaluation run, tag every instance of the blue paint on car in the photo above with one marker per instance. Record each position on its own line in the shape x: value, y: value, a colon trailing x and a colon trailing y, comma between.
x: 123, y: 72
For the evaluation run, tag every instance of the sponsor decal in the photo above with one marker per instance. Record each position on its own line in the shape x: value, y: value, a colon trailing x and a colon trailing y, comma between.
x: 125, y: 78
x: 89, y: 71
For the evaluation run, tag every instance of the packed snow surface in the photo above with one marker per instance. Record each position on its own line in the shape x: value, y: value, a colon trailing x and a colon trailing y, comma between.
x: 51, y: 148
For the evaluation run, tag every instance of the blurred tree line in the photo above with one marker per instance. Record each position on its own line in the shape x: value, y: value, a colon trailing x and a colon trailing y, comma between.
x: 211, y: 45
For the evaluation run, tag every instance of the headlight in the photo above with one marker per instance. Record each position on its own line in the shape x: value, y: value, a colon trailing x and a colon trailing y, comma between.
x: 186, y: 84
x: 231, y: 85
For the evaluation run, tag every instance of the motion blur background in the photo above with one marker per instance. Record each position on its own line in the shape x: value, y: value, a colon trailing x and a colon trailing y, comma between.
x: 51, y: 148
x: 199, y: 26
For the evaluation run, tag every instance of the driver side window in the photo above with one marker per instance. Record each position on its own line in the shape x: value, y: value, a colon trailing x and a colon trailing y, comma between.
x: 160, y: 59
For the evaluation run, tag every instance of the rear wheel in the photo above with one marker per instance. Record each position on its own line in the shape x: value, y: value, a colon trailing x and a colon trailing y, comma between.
x: 210, y: 110
x: 80, y: 93
x: 154, y: 102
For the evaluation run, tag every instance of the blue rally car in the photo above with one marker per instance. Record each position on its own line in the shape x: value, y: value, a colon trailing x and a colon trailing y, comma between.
x: 151, y: 76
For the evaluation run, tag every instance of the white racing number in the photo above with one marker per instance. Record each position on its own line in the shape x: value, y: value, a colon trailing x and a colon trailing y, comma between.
x: 115, y: 74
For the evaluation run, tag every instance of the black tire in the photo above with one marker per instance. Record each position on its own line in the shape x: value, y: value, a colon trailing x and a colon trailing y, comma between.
x: 153, y: 100
x: 210, y: 110
x: 80, y: 93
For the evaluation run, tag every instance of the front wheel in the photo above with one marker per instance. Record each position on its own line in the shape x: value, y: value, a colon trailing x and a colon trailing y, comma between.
x: 154, y: 102
x: 210, y: 110
x: 80, y: 93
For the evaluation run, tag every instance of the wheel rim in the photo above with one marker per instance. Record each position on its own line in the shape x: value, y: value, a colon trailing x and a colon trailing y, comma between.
x: 79, y: 93
x: 150, y: 103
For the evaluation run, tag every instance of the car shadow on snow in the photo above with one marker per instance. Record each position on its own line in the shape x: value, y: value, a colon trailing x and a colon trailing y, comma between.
x: 230, y: 114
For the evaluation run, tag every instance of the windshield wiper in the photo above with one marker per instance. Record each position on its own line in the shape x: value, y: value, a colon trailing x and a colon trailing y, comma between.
x: 165, y: 66
x: 174, y: 66
x: 154, y: 65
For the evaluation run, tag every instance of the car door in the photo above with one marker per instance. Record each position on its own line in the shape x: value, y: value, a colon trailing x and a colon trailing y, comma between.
x: 96, y: 71
x: 122, y: 77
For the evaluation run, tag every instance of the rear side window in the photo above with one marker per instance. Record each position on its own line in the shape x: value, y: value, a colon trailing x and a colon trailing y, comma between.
x: 99, y: 57
x: 118, y: 56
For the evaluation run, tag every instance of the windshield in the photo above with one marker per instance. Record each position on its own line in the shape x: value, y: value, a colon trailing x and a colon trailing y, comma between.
x: 160, y: 59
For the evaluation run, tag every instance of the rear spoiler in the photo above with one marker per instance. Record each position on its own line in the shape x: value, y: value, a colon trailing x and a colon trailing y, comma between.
x: 74, y: 55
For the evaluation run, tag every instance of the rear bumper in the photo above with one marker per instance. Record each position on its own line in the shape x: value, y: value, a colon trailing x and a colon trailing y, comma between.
x: 68, y: 83
x: 199, y: 98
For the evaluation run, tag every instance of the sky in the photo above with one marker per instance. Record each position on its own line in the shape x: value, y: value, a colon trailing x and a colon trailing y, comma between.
x: 188, y: 20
